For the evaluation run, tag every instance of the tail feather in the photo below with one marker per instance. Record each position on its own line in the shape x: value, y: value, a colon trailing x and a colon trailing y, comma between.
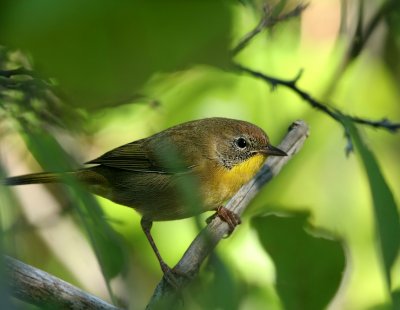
x: 34, y: 178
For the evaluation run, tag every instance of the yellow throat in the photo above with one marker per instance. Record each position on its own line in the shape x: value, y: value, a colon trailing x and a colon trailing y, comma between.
x: 226, y: 182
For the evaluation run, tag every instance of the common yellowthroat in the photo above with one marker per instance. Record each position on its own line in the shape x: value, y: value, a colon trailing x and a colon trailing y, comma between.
x: 221, y: 154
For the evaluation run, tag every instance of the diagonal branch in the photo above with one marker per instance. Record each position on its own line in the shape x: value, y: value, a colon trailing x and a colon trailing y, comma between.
x: 267, y: 21
x: 39, y: 288
x: 208, y: 238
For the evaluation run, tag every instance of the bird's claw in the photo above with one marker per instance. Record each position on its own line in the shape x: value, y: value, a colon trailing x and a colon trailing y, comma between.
x: 228, y: 216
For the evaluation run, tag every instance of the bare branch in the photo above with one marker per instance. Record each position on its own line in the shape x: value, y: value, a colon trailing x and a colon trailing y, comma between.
x: 267, y: 21
x: 208, y: 238
x: 37, y: 287
x: 335, y: 114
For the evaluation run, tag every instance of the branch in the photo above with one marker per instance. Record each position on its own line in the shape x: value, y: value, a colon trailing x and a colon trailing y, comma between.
x: 37, y: 287
x: 208, y: 238
x: 335, y: 114
x: 362, y: 37
x: 267, y: 21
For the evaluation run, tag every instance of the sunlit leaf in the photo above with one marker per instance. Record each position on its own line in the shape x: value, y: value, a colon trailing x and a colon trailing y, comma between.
x: 309, y: 268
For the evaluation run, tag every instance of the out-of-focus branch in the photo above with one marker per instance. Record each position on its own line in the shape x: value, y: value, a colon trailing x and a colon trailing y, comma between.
x: 363, y: 36
x: 208, y: 238
x: 267, y: 21
x: 334, y: 113
x: 357, y: 44
x: 360, y: 38
x: 39, y: 288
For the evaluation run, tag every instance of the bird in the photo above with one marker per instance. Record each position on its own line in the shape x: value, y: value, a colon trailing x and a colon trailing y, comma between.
x: 215, y: 156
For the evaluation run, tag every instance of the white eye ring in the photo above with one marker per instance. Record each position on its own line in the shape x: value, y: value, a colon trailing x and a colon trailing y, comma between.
x: 241, y: 143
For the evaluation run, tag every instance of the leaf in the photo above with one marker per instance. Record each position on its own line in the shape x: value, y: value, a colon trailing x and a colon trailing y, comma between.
x: 106, y: 243
x: 385, y: 209
x: 392, y: 39
x: 309, y: 268
x: 102, y: 52
x: 222, y: 291
x: 396, y: 299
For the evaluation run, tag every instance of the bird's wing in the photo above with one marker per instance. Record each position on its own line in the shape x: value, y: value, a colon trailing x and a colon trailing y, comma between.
x: 134, y: 157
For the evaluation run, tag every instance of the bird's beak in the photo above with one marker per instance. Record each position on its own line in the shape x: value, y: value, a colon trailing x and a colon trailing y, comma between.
x: 273, y: 151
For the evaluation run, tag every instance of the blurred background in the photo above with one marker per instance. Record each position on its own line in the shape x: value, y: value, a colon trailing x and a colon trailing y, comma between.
x: 99, y: 74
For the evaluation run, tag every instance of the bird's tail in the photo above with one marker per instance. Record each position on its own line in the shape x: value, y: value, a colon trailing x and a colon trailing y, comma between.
x: 34, y: 178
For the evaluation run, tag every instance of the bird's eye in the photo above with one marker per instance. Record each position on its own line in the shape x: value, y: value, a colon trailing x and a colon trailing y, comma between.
x: 241, y: 143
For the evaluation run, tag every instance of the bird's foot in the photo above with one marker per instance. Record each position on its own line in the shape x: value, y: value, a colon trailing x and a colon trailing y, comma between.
x: 173, y: 277
x: 228, y: 216
x: 170, y: 275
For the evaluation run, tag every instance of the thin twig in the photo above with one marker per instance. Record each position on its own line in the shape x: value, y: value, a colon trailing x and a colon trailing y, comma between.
x: 362, y: 36
x: 39, y: 288
x: 267, y: 21
x: 334, y: 113
x: 208, y: 238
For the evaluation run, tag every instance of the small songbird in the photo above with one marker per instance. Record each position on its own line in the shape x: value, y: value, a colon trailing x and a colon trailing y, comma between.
x: 218, y: 155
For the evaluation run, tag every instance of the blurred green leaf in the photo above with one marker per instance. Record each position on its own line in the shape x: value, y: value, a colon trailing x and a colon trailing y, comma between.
x: 223, y: 290
x: 4, y: 289
x: 102, y: 52
x: 385, y: 209
x: 216, y: 288
x: 46, y: 150
x: 107, y: 245
x: 309, y: 268
x: 396, y: 299
x: 392, y: 40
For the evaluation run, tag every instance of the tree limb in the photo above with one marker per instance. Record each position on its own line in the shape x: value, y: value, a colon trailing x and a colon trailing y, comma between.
x: 268, y: 20
x: 37, y: 287
x: 334, y: 113
x: 208, y: 238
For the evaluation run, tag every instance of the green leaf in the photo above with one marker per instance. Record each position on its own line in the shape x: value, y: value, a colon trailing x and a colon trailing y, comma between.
x: 102, y: 52
x: 222, y: 289
x: 392, y: 38
x: 5, y: 299
x: 309, y: 268
x: 386, y: 214
x: 396, y: 299
x: 106, y: 243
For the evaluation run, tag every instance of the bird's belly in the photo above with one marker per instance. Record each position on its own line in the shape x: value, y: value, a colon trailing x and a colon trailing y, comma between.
x: 157, y: 197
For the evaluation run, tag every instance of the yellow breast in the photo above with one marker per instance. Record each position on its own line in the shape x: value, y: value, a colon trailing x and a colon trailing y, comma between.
x: 222, y: 183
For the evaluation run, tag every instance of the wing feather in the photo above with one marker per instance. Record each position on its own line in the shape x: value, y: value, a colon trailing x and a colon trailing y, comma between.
x: 136, y: 158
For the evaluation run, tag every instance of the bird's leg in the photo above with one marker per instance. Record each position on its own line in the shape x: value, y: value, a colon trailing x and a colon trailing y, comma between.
x: 169, y: 274
x: 228, y: 216
x: 146, y: 226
